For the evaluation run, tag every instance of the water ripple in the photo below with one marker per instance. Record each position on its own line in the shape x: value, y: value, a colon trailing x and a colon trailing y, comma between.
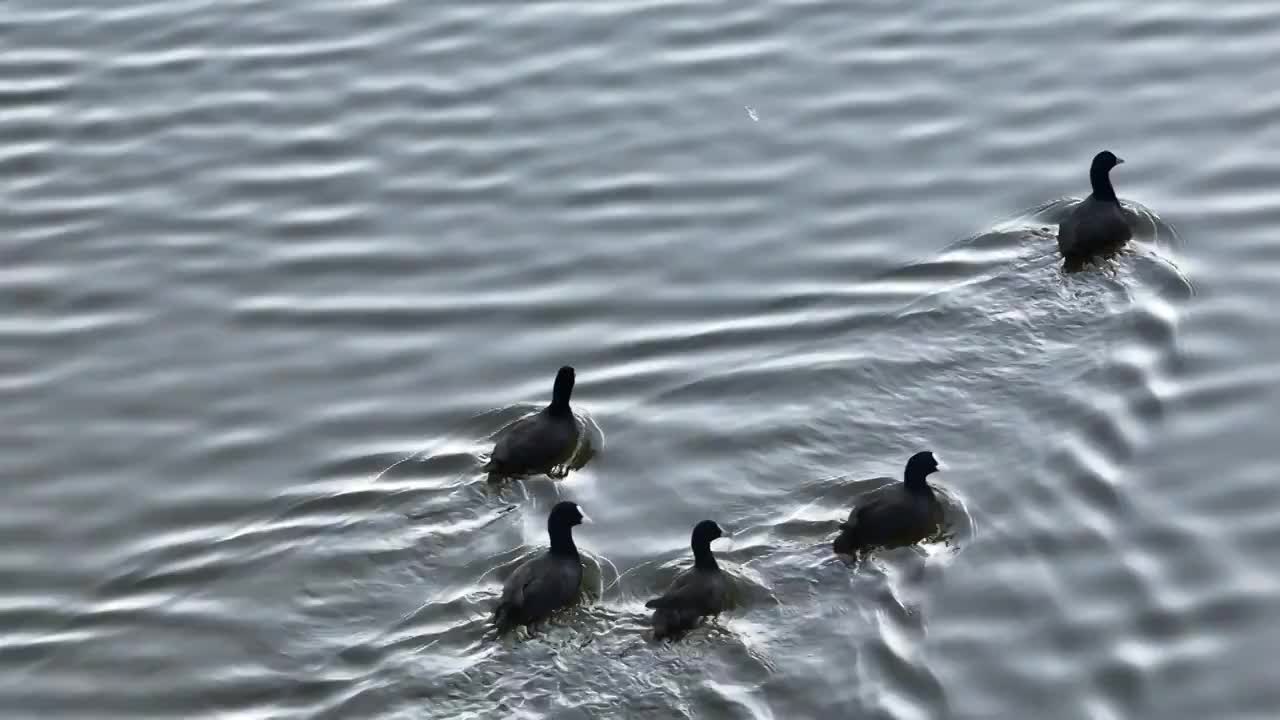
x: 277, y: 273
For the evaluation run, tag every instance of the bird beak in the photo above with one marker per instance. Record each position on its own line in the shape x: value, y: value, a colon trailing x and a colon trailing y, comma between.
x: 586, y: 520
x: 1119, y: 161
x: 941, y: 466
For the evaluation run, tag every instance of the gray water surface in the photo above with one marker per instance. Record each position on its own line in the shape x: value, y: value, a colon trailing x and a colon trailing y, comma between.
x: 276, y: 273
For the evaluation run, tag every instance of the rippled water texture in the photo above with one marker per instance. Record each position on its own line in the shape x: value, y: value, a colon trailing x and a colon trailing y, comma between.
x: 277, y: 273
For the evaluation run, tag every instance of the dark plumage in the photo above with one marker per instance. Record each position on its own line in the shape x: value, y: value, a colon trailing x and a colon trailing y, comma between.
x: 1098, y: 224
x: 898, y: 514
x: 546, y: 583
x: 542, y: 441
x: 696, y: 592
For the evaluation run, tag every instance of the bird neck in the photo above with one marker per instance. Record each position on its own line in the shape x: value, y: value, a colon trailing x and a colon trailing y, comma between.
x: 703, y: 558
x: 561, y: 393
x: 917, y: 484
x: 559, y: 407
x: 562, y: 541
x: 1100, y: 178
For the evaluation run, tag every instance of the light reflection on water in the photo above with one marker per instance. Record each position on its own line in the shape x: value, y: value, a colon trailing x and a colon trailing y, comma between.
x: 279, y: 272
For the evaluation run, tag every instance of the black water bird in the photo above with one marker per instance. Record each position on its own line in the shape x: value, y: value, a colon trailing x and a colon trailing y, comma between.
x: 548, y: 582
x: 540, y: 442
x: 696, y: 592
x: 1098, y: 225
x: 899, y: 514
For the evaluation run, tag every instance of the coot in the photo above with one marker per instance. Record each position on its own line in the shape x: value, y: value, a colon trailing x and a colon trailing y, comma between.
x: 546, y: 583
x: 898, y: 514
x: 540, y: 442
x: 696, y: 592
x: 1097, y: 225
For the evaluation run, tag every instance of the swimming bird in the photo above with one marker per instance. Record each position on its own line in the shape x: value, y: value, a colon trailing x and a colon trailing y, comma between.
x: 898, y: 514
x: 540, y: 442
x: 696, y: 592
x: 546, y: 583
x: 1097, y: 225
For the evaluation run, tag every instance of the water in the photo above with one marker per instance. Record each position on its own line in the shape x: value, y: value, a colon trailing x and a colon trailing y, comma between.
x: 275, y: 273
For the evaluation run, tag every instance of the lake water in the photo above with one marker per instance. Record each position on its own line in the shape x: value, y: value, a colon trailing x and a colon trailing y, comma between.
x: 275, y: 273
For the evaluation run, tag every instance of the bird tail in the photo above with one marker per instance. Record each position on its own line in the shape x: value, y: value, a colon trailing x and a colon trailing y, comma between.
x: 671, y: 623
x: 664, y: 625
x: 847, y: 541
x: 504, y: 617
x: 658, y: 602
x: 498, y: 469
